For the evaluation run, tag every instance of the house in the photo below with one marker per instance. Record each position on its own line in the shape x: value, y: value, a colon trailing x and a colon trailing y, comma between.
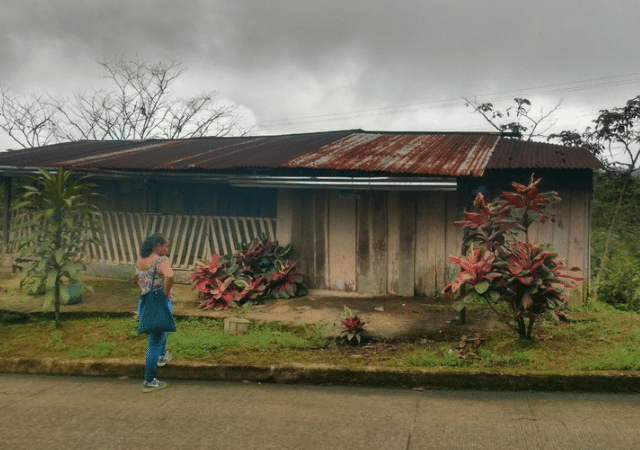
x: 369, y: 212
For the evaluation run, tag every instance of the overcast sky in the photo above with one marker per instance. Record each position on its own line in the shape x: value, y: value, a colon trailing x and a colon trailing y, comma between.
x: 304, y: 65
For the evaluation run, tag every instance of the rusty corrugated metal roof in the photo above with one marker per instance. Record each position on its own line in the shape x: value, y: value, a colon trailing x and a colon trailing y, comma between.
x: 439, y: 154
x: 177, y: 154
x: 513, y: 153
x: 430, y: 154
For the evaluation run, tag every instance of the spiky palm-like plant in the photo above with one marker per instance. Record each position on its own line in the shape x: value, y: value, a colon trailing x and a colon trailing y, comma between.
x: 61, y: 215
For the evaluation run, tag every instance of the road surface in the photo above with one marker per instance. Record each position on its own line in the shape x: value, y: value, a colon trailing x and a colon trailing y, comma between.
x: 44, y: 412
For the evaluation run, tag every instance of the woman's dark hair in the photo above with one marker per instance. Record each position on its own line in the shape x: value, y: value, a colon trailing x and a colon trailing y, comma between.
x: 150, y: 243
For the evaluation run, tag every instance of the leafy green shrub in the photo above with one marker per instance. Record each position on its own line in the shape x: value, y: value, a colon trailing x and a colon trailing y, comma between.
x: 607, y: 185
x: 620, y: 283
x: 257, y: 271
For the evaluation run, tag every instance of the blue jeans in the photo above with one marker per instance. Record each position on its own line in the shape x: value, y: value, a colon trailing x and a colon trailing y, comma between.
x: 156, y: 347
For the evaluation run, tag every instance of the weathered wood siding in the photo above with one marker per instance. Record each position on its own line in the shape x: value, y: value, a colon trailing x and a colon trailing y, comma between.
x: 372, y: 243
x: 400, y: 242
x: 342, y: 243
x: 378, y: 243
x: 401, y: 230
x: 187, y: 199
x: 436, y: 239
x: 569, y: 236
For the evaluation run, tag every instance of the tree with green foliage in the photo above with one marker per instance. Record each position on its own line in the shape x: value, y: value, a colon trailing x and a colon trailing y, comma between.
x: 619, y: 283
x: 606, y: 196
x: 618, y: 131
x: 61, y: 218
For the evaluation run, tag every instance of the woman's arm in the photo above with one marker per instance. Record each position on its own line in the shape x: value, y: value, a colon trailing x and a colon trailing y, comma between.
x: 167, y: 272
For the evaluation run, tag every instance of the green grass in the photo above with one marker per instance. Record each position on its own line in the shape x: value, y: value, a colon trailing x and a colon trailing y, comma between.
x: 100, y: 349
x: 101, y: 337
x: 440, y: 358
x: 599, y: 339
x: 621, y: 358
x: 56, y: 343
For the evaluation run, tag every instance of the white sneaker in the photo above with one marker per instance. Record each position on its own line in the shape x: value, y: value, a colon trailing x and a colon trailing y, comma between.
x: 164, y: 359
x: 154, y: 385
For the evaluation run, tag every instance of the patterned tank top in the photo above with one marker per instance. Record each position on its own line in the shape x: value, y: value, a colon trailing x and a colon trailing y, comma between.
x: 145, y: 277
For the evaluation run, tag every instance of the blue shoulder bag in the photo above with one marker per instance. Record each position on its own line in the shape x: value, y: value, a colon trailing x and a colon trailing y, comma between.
x: 155, y: 315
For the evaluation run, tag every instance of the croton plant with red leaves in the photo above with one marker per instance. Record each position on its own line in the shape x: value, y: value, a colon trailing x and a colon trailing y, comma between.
x: 257, y: 271
x: 500, y: 266
x: 352, y: 326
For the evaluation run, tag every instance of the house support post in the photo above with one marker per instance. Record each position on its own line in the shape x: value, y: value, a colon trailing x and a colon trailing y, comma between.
x: 6, y: 215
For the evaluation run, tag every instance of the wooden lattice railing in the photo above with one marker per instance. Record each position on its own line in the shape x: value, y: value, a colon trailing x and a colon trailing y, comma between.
x: 192, y: 237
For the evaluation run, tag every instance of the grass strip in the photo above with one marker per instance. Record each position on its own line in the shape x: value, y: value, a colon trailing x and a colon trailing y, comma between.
x: 599, y: 339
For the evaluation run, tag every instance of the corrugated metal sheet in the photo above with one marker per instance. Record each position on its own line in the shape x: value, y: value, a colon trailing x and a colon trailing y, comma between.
x: 427, y: 154
x: 181, y: 154
x: 515, y: 154
x: 412, y: 153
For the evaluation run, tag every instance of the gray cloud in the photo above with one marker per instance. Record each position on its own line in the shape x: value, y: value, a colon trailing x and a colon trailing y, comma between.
x: 292, y: 59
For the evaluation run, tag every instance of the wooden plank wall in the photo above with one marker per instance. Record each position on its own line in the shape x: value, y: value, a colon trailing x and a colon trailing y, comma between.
x: 311, y: 236
x: 569, y: 236
x: 400, y: 242
x: 401, y: 276
x: 379, y: 243
x: 372, y: 242
x: 436, y: 239
x: 341, y: 242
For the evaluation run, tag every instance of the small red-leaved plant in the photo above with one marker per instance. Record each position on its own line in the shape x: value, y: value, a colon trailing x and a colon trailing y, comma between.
x: 352, y: 326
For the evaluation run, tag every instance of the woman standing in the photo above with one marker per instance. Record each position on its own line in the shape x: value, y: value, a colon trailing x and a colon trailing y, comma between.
x: 153, y: 257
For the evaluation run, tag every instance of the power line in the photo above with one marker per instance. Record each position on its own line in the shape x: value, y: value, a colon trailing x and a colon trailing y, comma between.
x: 572, y: 86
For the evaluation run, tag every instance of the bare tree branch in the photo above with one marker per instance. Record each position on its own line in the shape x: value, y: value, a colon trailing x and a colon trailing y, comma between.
x: 522, y: 122
x: 31, y: 121
x: 140, y: 105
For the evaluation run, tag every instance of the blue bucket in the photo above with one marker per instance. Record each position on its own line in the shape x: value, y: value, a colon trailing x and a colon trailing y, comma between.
x: 75, y: 294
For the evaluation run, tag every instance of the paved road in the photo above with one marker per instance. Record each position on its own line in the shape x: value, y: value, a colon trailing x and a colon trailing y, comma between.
x: 41, y: 412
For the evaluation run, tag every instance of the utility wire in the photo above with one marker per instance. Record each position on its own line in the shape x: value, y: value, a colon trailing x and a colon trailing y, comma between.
x: 593, y: 83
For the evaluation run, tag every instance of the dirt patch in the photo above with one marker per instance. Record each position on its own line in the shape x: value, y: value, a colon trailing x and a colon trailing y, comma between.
x: 388, y: 318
